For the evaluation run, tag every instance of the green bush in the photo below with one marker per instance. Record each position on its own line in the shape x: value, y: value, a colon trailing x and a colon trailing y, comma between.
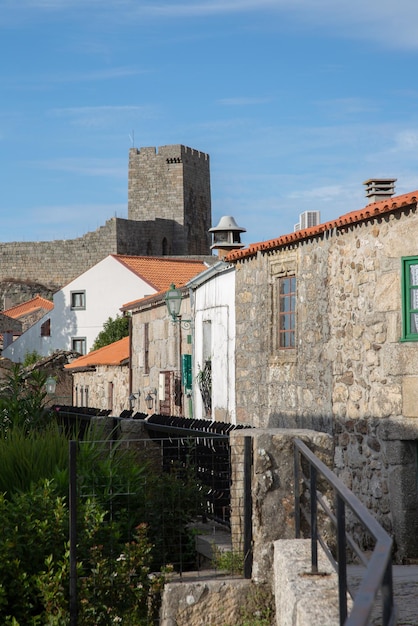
x: 132, y: 520
x: 22, y: 401
x: 31, y: 358
x: 113, y: 330
x: 29, y: 457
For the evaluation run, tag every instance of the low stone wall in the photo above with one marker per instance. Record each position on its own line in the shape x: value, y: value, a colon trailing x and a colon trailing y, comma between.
x: 377, y: 460
x: 302, y: 598
x: 214, y: 601
x: 272, y: 491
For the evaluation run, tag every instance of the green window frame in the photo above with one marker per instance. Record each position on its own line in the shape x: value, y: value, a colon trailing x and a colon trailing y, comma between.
x: 410, y: 298
x: 287, y: 312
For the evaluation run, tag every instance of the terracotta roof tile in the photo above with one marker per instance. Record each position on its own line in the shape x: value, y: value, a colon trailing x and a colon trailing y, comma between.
x: 30, y: 306
x: 113, y: 354
x: 160, y: 272
x: 354, y: 217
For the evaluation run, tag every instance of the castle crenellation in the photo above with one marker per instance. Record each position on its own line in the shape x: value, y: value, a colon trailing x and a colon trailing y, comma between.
x: 169, y: 213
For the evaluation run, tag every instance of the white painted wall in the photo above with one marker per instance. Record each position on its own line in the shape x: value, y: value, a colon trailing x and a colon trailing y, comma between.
x: 108, y: 285
x: 214, y: 302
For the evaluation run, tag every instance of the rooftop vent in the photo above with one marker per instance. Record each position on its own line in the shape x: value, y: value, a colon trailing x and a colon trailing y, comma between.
x: 226, y: 235
x: 379, y: 188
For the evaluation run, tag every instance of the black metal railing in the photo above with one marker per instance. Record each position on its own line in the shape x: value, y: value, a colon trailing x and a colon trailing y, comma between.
x: 210, y: 459
x: 378, y: 568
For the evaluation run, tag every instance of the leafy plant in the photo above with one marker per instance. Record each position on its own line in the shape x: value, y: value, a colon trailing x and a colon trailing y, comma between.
x: 113, y: 330
x: 230, y: 561
x: 31, y: 358
x: 22, y: 400
x: 29, y: 457
x: 204, y: 381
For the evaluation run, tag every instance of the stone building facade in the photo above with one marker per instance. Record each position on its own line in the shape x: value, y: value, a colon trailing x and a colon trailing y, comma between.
x: 321, y: 343
x: 157, y: 348
x: 169, y: 213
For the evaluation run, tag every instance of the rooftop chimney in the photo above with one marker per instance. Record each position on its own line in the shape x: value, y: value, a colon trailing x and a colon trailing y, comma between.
x: 379, y: 188
x: 226, y: 236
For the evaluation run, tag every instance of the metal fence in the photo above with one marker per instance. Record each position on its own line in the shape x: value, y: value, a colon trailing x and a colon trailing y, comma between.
x: 183, y: 497
x: 377, y: 578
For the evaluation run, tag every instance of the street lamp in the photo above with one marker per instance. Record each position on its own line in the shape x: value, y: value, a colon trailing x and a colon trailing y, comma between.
x: 50, y: 385
x: 149, y: 400
x: 173, y: 300
x: 132, y: 399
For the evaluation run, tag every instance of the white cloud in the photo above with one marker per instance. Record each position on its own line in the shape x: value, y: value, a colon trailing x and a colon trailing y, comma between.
x: 392, y: 24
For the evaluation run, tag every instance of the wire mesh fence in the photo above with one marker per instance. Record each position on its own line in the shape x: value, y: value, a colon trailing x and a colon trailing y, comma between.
x: 147, y: 509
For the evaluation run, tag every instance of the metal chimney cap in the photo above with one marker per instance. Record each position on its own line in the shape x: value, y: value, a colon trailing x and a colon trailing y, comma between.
x: 227, y: 222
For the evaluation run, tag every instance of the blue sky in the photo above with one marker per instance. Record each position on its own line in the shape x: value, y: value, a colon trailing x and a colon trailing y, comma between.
x: 297, y: 102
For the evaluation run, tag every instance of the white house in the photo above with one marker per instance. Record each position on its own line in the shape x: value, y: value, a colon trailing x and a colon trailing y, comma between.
x: 213, y: 312
x: 82, y: 306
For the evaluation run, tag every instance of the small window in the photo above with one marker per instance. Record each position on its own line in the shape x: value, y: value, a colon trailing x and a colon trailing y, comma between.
x: 78, y: 344
x: 46, y: 328
x: 410, y: 299
x: 78, y: 299
x: 146, y: 348
x: 286, y: 300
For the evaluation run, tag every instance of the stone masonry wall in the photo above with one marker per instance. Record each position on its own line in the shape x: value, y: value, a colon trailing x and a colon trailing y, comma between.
x: 377, y: 460
x: 348, y: 361
x: 173, y: 183
x: 272, y: 489
x: 349, y: 374
x: 98, y: 383
x: 166, y: 342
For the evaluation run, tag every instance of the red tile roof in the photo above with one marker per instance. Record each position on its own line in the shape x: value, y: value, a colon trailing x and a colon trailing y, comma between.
x: 160, y: 272
x: 113, y: 354
x: 354, y: 217
x: 30, y: 306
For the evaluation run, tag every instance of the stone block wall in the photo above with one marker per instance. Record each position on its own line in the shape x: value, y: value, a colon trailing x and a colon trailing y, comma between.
x: 272, y: 487
x: 98, y: 383
x: 172, y: 183
x: 349, y: 375
x: 377, y: 460
x: 348, y: 360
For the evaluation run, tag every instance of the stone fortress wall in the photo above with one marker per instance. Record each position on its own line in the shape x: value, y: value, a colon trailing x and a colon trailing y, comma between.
x: 169, y: 212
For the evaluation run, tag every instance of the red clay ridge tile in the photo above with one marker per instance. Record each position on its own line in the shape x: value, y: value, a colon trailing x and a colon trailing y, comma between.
x: 354, y: 217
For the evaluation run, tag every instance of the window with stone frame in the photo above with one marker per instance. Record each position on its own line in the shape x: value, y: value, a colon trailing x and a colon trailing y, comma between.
x: 286, y: 311
x: 410, y: 298
x: 146, y: 348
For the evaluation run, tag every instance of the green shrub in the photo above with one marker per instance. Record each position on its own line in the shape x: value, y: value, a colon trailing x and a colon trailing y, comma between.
x: 113, y: 330
x: 29, y: 457
x: 31, y: 358
x: 22, y: 401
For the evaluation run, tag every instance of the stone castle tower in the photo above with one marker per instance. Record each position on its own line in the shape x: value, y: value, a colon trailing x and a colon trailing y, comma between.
x: 169, y: 193
x: 169, y: 213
